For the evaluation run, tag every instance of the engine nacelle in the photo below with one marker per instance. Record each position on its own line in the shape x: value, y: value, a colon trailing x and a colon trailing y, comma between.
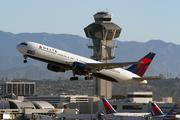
x: 79, y: 66
x: 55, y: 68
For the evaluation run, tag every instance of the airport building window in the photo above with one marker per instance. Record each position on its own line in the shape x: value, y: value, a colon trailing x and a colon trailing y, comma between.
x: 102, y: 19
x: 15, y: 89
x: 22, y: 89
x: 31, y: 89
x: 132, y: 107
x: 19, y: 89
x: 27, y: 89
x: 139, y: 96
x: 9, y: 88
x: 114, y: 106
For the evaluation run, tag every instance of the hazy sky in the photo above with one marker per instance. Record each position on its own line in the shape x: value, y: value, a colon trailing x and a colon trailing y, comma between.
x: 140, y: 20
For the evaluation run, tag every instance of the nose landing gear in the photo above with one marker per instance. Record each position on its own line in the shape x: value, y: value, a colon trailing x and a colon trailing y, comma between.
x: 73, y: 78
x: 25, y: 57
x: 25, y: 61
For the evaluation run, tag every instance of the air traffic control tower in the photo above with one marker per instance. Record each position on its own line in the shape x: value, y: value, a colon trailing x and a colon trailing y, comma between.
x: 103, y: 32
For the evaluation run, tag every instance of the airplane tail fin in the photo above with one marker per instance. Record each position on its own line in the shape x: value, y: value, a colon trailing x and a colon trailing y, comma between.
x: 171, y: 115
x: 156, y: 110
x: 140, y: 69
x: 152, y: 113
x: 103, y: 112
x: 66, y: 107
x: 109, y: 109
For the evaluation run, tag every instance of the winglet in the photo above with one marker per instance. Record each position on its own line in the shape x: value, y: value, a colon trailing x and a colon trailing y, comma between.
x: 109, y: 109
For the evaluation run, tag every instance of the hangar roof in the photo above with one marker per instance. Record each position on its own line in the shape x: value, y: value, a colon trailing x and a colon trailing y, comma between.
x: 42, y: 105
x: 19, y: 105
x: 4, y: 104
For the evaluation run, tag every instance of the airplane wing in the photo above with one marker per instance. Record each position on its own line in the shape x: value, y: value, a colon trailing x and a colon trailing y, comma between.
x: 100, y: 66
x: 147, y: 78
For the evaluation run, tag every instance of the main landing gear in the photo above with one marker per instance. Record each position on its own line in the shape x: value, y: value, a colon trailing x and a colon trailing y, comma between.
x: 25, y: 57
x: 73, y: 78
x: 76, y: 78
x: 88, y: 78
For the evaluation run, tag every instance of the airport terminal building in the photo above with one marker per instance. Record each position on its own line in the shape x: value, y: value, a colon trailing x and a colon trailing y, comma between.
x: 18, y: 88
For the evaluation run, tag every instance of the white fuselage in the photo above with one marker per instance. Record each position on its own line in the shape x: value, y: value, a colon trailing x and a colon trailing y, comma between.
x: 36, y: 50
x: 162, y: 117
x: 137, y: 115
x: 126, y: 114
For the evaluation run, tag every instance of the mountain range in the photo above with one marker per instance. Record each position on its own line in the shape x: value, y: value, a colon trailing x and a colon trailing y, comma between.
x: 166, y: 61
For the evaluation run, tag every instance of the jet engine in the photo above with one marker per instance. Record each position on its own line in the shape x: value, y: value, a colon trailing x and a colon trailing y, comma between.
x: 79, y: 66
x: 55, y: 68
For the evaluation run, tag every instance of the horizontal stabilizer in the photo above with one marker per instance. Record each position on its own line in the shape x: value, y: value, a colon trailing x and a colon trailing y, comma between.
x: 146, y: 78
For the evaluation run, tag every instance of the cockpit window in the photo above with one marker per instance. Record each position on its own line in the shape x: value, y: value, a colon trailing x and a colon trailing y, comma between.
x: 24, y: 44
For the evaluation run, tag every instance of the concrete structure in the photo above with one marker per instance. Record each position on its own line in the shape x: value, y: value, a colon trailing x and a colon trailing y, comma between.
x: 18, y: 88
x: 54, y: 100
x: 76, y: 98
x: 89, y: 109
x: 102, y: 32
x: 15, y: 109
x: 167, y: 99
x: 139, y: 97
x: 135, y: 102
x: 42, y: 105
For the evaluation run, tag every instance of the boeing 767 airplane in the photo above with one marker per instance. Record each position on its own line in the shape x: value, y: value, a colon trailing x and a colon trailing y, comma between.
x: 61, y: 61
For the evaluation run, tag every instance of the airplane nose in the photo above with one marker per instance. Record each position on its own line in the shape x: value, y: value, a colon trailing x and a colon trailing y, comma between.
x: 20, y: 48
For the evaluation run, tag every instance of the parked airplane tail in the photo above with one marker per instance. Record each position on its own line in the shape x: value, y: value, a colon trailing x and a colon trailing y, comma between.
x: 140, y: 69
x: 66, y: 107
x: 157, y: 111
x: 152, y: 113
x: 103, y: 112
x: 171, y: 115
x: 109, y: 109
